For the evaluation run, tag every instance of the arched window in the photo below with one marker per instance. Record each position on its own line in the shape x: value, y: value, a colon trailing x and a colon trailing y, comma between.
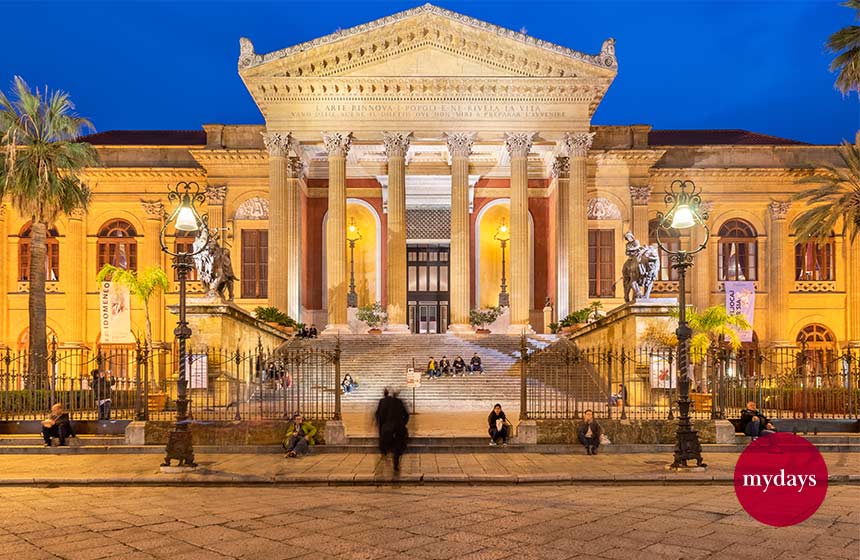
x: 24, y: 338
x: 671, y: 239
x: 737, y: 252
x: 117, y: 245
x: 814, y: 260
x: 820, y: 345
x: 184, y: 243
x: 52, y: 255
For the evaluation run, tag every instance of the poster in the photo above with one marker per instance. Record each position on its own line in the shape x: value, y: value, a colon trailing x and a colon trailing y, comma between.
x: 198, y: 371
x: 413, y: 378
x: 114, y: 314
x: 740, y: 300
x: 662, y: 373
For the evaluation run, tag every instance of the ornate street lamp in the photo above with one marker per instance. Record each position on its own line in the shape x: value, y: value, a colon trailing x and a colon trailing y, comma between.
x: 352, y: 235
x: 686, y: 211
x: 503, y: 235
x: 185, y: 219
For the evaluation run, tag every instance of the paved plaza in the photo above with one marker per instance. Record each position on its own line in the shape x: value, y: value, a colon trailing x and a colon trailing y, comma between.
x: 446, y: 522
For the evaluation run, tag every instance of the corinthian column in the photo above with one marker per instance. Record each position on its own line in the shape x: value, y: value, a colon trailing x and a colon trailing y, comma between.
x: 561, y: 172
x: 519, y: 144
x: 777, y: 267
x: 460, y: 148
x: 337, y: 145
x: 639, y: 195
x: 396, y: 145
x: 278, y: 146
x: 577, y: 275
x: 153, y: 211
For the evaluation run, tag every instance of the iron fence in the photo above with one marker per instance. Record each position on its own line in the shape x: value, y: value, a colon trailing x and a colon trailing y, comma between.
x: 562, y: 380
x: 222, y: 384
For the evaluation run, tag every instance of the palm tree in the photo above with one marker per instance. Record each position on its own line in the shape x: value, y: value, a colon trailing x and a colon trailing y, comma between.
x: 142, y: 286
x: 845, y: 44
x: 712, y: 328
x: 835, y: 197
x: 39, y: 173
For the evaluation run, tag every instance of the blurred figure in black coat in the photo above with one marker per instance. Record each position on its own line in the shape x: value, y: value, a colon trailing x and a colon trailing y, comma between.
x: 391, y: 418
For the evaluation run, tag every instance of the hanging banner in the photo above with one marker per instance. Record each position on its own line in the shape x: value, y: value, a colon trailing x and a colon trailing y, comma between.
x: 740, y: 300
x: 115, y: 314
x: 662, y: 372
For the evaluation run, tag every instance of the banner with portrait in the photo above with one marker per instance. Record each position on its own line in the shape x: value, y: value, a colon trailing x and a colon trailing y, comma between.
x: 740, y: 300
x: 662, y: 372
x: 114, y: 314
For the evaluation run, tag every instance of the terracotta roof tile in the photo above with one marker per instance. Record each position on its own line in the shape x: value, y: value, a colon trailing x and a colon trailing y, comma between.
x: 147, y: 138
x: 716, y: 137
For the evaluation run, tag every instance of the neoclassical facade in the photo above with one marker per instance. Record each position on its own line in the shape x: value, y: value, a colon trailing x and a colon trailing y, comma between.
x: 435, y: 135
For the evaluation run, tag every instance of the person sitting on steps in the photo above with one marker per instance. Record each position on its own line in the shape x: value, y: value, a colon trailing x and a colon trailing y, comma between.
x: 459, y: 366
x: 348, y: 384
x: 57, y: 425
x: 300, y: 436
x: 499, y: 426
x: 755, y: 424
x: 589, y: 433
x: 432, y: 369
x: 475, y: 364
x: 444, y: 366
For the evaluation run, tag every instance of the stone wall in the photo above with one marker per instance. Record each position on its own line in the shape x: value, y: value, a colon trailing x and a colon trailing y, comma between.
x: 261, y: 432
x: 623, y: 431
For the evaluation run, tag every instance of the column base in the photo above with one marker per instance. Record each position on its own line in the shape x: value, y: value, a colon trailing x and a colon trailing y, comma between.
x: 460, y: 328
x: 397, y: 329
x: 336, y: 329
x: 518, y: 329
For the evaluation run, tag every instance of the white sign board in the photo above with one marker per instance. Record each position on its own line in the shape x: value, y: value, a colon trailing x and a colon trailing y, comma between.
x: 413, y: 378
x: 662, y: 373
x: 198, y: 371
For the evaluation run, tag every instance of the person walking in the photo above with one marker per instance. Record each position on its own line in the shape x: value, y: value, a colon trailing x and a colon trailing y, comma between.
x: 391, y: 419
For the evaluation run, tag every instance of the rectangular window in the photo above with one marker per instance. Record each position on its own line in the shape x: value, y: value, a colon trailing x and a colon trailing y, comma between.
x: 422, y: 278
x: 255, y: 263
x: 412, y: 279
x: 601, y: 263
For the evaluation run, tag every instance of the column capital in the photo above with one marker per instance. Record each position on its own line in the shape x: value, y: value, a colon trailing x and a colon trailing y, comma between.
x: 74, y: 214
x: 519, y: 144
x: 295, y: 168
x: 3, y: 210
x: 215, y: 194
x: 154, y: 209
x: 337, y: 143
x: 396, y: 144
x: 778, y: 210
x: 578, y: 143
x: 640, y: 194
x: 561, y: 167
x: 277, y: 143
x: 460, y: 143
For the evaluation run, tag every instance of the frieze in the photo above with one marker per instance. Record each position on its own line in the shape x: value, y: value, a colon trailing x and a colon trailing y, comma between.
x: 396, y: 144
x: 519, y: 144
x: 256, y: 208
x: 778, y: 210
x: 451, y: 37
x: 600, y: 208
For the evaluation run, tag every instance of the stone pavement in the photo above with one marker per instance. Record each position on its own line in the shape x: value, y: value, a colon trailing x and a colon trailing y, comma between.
x: 421, y: 523
x: 366, y: 468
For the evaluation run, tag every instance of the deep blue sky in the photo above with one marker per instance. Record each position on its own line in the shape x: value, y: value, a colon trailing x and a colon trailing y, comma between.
x: 757, y: 65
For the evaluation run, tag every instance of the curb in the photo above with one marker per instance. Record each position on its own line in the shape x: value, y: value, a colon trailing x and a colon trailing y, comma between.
x: 410, y: 479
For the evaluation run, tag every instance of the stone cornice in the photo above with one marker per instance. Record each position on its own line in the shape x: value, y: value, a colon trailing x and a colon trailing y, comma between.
x: 248, y: 156
x: 778, y: 172
x: 144, y: 173
x: 338, y: 52
x: 621, y: 156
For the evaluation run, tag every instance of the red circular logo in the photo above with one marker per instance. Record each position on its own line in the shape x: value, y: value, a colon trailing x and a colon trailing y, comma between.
x: 780, y: 479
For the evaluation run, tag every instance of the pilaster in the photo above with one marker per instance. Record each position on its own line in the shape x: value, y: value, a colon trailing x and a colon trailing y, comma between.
x: 778, y: 286
x: 396, y: 146
x: 853, y: 307
x: 76, y: 298
x: 151, y: 255
x: 215, y: 195
x: 337, y: 144
x: 460, y: 148
x: 519, y: 144
x: 6, y: 269
x: 578, y: 144
x: 639, y: 196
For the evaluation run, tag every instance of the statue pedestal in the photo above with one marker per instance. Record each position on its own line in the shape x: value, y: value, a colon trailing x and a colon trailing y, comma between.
x: 626, y: 325
x: 221, y: 324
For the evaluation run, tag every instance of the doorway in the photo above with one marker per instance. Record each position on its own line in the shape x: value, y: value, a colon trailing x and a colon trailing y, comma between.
x: 427, y: 276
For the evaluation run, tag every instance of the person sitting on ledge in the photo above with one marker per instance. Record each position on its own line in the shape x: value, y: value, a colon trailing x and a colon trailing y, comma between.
x: 312, y: 333
x: 444, y: 366
x: 498, y: 426
x: 432, y: 370
x: 475, y: 364
x: 589, y: 433
x: 619, y: 398
x: 57, y: 425
x: 459, y: 366
x: 300, y: 436
x: 754, y: 423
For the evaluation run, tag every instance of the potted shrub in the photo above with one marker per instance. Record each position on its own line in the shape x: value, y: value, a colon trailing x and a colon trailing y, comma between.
x: 480, y: 318
x: 274, y: 317
x: 575, y: 320
x: 372, y: 315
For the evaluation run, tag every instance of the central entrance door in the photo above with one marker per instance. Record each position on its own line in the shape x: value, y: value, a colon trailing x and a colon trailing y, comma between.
x: 427, y: 274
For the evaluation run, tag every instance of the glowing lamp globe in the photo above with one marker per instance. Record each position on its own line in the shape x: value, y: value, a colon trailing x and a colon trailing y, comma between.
x: 683, y: 217
x: 185, y: 219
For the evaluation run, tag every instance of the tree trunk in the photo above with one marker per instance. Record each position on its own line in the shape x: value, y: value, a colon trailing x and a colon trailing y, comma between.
x: 38, y: 322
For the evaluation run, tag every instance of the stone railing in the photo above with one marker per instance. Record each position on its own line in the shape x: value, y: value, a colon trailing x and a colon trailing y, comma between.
x: 721, y: 286
x: 50, y: 287
x: 665, y: 287
x: 815, y: 286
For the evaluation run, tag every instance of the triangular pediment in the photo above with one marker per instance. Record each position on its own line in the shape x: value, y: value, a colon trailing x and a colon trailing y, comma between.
x: 427, y: 41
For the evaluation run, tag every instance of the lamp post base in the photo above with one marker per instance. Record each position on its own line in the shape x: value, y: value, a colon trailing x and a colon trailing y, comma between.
x: 179, y: 447
x: 687, y: 448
